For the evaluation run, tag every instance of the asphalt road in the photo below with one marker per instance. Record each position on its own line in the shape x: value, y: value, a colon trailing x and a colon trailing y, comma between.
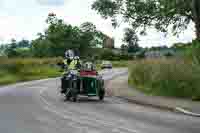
x: 37, y: 107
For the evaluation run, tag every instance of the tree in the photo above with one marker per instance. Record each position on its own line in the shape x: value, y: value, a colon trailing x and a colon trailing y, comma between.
x: 131, y: 38
x: 160, y: 14
x: 124, y: 48
x: 11, y: 49
x: 60, y: 36
x: 91, y: 34
x: 41, y: 48
x: 88, y: 27
x: 23, y: 44
x: 107, y: 54
x: 88, y: 31
x: 196, y: 16
x: 3, y: 47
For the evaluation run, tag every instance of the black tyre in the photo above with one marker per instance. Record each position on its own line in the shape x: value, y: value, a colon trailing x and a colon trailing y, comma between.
x: 74, y: 98
x: 101, y: 95
x: 68, y: 96
x: 74, y: 90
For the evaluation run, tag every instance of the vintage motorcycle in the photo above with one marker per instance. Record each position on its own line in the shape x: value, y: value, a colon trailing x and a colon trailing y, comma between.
x: 85, y: 81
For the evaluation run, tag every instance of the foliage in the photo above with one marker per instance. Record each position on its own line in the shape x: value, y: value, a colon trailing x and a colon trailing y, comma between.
x: 24, y: 44
x: 120, y: 63
x: 192, y: 52
x: 131, y: 39
x: 158, y: 48
x: 168, y: 54
x: 2, y: 49
x: 107, y: 54
x: 166, y: 77
x: 124, y: 48
x: 60, y: 36
x: 160, y: 14
x: 10, y: 50
x: 16, y: 49
x: 141, y: 54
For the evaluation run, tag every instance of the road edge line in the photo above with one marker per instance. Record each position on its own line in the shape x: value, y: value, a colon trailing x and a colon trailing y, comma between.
x: 172, y: 109
x: 186, y: 112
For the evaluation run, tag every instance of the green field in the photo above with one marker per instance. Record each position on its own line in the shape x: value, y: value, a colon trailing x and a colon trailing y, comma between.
x: 25, y: 69
x: 18, y: 70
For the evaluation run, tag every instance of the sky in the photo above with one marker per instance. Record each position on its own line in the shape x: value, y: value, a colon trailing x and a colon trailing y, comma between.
x: 23, y: 19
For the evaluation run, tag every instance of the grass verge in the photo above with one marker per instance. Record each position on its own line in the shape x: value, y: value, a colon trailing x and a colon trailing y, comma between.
x: 121, y: 63
x: 18, y: 70
x: 166, y: 77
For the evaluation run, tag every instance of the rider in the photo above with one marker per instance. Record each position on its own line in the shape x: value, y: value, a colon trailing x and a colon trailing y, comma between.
x: 74, y: 64
x: 71, y: 62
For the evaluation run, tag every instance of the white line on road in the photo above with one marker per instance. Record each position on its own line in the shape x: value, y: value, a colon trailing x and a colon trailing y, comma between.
x: 187, y: 112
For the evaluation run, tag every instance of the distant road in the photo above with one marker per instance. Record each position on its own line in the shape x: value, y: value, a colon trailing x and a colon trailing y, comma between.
x: 37, y: 107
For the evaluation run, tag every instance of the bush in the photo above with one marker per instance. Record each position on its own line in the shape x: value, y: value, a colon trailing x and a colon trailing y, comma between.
x: 193, y: 52
x: 166, y: 77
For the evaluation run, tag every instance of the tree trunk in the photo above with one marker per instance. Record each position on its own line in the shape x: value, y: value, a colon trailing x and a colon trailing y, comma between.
x: 196, y: 16
x: 197, y: 26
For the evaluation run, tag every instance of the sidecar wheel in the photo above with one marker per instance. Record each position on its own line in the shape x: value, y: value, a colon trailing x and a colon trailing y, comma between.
x: 68, y: 97
x: 74, y: 99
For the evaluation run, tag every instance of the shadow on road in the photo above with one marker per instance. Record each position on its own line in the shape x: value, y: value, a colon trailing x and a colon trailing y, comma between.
x: 87, y: 100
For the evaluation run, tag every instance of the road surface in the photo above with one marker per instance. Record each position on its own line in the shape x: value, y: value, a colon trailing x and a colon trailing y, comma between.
x: 37, y: 107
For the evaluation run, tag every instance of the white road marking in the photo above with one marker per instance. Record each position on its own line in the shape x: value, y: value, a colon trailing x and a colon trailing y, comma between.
x: 187, y: 112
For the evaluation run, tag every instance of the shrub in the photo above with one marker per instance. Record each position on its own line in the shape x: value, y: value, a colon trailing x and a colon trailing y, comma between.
x: 193, y: 52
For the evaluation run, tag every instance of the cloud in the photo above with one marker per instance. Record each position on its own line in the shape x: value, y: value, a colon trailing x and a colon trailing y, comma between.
x: 51, y: 2
x: 1, y: 2
x: 25, y: 18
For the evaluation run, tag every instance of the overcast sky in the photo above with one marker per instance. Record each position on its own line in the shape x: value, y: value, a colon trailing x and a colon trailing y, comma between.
x: 25, y: 18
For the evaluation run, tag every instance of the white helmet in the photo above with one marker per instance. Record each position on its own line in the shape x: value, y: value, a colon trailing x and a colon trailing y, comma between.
x: 69, y: 54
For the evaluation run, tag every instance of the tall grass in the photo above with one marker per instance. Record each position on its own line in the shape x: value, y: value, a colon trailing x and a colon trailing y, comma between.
x: 166, y: 77
x: 121, y: 63
x: 15, y: 70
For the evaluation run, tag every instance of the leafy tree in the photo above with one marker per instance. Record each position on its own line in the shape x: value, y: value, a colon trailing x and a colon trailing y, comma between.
x: 41, y: 48
x: 159, y: 48
x: 88, y: 27
x: 11, y: 49
x: 131, y: 38
x: 87, y: 35
x: 2, y: 49
x: 160, y: 14
x: 124, y: 48
x: 107, y: 54
x: 23, y: 44
x: 57, y: 38
x: 60, y: 36
x: 92, y: 35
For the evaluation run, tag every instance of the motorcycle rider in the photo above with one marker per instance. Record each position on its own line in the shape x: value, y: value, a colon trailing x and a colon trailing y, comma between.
x: 71, y: 62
